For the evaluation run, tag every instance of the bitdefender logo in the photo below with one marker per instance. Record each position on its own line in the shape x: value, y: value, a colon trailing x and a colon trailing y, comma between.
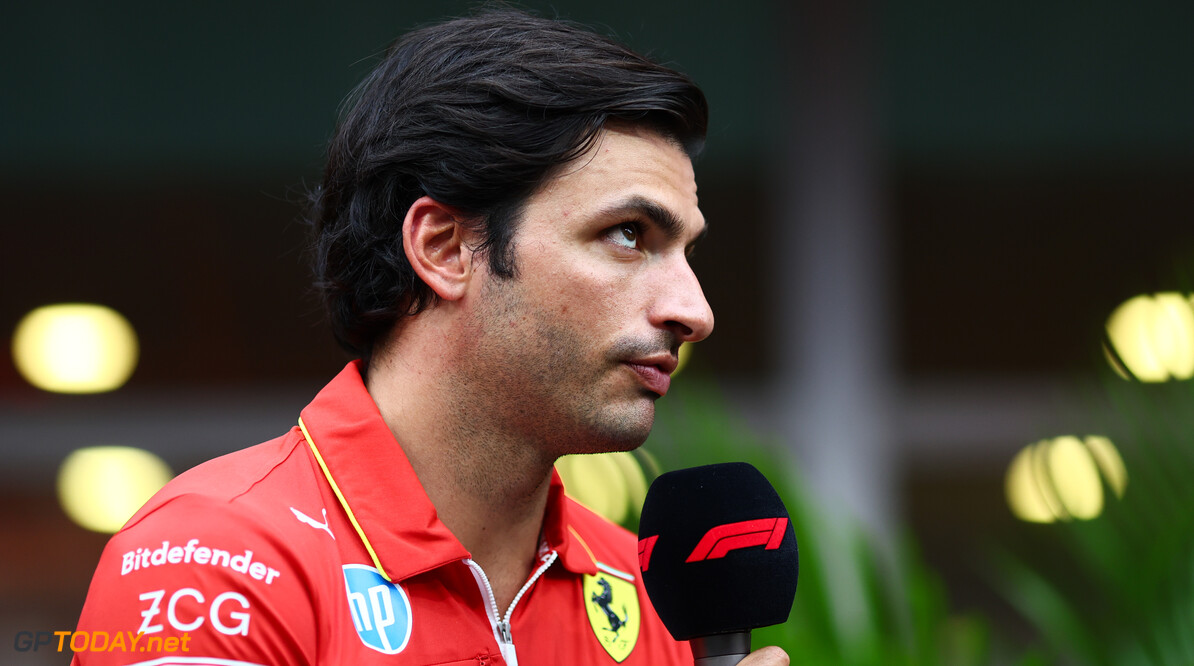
x: 380, y: 609
x: 192, y: 552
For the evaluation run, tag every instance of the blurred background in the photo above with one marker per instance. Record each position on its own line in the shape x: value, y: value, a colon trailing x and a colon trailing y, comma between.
x: 923, y: 217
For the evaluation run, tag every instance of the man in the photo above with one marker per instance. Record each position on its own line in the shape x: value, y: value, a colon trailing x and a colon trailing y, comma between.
x: 502, y: 236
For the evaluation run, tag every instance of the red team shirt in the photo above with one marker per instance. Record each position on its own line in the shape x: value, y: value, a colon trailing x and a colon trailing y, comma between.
x: 320, y: 547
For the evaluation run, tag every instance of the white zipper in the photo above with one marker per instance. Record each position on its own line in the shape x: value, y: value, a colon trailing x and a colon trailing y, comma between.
x: 501, y: 625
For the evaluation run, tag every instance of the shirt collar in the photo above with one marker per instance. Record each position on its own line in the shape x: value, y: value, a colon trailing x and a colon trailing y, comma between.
x: 382, y: 496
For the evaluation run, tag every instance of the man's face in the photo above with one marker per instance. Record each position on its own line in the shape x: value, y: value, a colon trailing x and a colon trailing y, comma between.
x: 578, y: 346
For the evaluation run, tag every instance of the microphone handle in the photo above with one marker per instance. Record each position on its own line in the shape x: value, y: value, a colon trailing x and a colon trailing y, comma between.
x: 721, y: 649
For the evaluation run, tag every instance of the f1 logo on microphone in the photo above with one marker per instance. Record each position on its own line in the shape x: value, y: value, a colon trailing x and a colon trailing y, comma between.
x: 645, y: 548
x: 720, y: 540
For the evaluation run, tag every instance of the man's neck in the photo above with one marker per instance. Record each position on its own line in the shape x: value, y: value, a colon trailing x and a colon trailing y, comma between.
x: 488, y: 488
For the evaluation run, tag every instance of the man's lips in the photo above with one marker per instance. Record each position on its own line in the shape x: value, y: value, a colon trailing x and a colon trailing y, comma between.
x: 655, y: 376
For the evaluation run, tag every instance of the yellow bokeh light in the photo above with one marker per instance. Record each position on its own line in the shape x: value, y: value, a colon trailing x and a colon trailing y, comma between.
x: 1061, y: 478
x: 75, y: 348
x: 101, y: 487
x: 1153, y: 337
x: 1042, y: 476
x: 1115, y: 363
x: 1109, y: 462
x: 610, y: 484
x: 636, y: 480
x: 1023, y: 493
x: 1076, y: 478
x: 682, y: 357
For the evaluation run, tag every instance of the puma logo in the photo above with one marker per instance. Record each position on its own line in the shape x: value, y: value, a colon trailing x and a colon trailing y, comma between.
x: 304, y: 518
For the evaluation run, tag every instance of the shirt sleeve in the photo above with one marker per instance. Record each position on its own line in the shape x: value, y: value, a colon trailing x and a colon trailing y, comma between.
x: 198, y: 581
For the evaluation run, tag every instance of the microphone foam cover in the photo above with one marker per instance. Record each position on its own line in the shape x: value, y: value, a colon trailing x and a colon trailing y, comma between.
x: 717, y: 551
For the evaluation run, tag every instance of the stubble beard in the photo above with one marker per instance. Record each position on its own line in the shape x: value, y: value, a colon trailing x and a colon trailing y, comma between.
x: 540, y: 381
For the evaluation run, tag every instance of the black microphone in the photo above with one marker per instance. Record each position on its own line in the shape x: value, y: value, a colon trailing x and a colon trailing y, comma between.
x: 718, y: 556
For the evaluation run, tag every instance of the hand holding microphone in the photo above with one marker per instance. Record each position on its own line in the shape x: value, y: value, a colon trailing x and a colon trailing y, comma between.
x: 718, y: 556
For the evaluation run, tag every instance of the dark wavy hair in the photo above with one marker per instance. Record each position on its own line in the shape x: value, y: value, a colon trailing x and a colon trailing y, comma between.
x: 475, y: 113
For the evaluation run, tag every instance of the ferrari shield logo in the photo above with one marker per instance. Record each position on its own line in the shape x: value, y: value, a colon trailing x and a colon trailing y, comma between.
x: 612, y: 604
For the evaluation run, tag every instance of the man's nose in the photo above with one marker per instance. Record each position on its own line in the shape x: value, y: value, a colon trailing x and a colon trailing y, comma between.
x: 681, y: 306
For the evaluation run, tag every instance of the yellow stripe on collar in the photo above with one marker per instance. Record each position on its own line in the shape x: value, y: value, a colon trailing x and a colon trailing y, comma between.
x: 344, y: 502
x: 584, y: 545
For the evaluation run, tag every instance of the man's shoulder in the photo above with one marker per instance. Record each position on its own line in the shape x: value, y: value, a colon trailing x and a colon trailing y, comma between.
x: 218, y: 551
x: 246, y: 477
x: 258, y: 498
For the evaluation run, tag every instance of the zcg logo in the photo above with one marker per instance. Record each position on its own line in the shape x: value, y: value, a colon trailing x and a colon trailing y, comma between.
x: 380, y: 609
x: 188, y: 603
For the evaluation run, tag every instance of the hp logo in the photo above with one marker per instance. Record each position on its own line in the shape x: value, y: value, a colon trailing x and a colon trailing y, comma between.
x: 380, y: 610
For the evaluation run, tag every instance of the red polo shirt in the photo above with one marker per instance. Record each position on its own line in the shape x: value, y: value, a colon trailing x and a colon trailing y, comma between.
x: 320, y: 547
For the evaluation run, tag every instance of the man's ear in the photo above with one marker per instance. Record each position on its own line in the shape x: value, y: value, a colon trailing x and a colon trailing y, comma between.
x: 434, y: 241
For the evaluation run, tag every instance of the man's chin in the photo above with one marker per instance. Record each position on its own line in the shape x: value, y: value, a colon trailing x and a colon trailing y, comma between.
x: 625, y: 431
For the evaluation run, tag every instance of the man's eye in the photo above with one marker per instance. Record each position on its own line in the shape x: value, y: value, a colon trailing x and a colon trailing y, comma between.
x: 625, y: 234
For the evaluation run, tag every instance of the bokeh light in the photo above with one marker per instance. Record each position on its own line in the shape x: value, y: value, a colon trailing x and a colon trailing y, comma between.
x: 1110, y: 463
x: 1024, y: 495
x: 101, y: 487
x: 1151, y: 338
x: 682, y: 356
x: 75, y: 348
x: 1062, y: 478
x: 611, y: 484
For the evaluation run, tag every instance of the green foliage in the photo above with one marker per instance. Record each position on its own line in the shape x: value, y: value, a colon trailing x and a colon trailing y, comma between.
x: 1114, y: 591
x: 1119, y: 590
x: 902, y: 616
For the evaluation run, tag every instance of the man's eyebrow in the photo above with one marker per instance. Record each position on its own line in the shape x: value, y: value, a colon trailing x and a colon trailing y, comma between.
x: 659, y: 215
